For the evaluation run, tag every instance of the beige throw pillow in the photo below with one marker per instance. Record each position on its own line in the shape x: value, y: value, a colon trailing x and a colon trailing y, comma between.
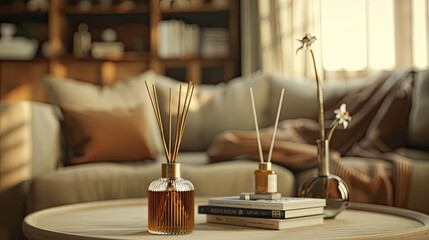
x: 128, y: 94
x: 99, y: 136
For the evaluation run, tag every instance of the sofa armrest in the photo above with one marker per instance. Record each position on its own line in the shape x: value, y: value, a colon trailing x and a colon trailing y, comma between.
x: 418, y: 126
x: 29, y: 141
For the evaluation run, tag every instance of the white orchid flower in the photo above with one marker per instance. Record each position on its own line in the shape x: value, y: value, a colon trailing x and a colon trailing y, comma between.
x: 306, y: 42
x: 343, y: 116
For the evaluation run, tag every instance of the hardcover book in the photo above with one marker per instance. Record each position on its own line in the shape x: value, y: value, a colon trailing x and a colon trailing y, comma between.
x: 267, y: 223
x: 259, y: 213
x: 284, y: 203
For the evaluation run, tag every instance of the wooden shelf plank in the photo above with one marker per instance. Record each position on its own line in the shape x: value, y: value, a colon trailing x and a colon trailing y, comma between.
x: 196, y: 9
x: 200, y: 59
x: 36, y: 59
x: 141, y: 8
x: 127, y: 57
x: 20, y: 11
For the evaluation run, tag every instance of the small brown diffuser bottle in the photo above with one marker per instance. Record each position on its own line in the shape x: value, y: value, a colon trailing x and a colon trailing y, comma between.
x: 265, y: 179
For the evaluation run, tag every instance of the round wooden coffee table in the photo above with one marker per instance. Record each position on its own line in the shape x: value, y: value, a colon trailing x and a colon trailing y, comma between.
x: 127, y: 219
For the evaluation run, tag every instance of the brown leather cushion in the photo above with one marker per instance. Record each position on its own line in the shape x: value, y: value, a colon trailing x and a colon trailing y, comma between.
x: 99, y: 136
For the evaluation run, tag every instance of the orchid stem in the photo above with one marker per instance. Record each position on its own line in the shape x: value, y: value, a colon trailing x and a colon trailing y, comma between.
x: 320, y: 98
x: 334, y: 125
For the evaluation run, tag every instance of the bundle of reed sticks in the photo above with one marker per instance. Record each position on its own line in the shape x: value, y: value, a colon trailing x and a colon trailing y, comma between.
x: 255, y: 117
x: 171, y: 152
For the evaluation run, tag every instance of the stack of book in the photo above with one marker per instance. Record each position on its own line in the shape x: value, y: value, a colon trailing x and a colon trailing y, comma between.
x: 283, y: 213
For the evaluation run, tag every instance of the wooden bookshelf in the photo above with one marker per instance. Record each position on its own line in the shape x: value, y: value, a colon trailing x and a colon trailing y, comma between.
x: 136, y: 26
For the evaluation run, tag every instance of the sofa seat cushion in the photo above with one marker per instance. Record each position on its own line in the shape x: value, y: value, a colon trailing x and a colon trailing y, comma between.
x: 418, y: 197
x: 417, y: 194
x: 104, y: 181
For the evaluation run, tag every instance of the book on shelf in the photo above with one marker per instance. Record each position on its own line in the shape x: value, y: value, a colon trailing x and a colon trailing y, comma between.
x: 259, y: 213
x: 214, y: 42
x: 178, y: 39
x: 267, y: 223
x: 284, y: 203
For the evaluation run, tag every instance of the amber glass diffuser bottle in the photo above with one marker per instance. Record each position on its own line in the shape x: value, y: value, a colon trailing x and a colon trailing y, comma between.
x: 171, y: 198
x: 171, y: 203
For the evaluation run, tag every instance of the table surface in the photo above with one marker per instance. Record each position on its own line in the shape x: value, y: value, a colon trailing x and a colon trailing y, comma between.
x: 127, y: 219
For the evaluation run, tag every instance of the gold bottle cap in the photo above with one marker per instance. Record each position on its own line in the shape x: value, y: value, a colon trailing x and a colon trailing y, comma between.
x: 171, y: 170
x: 265, y: 166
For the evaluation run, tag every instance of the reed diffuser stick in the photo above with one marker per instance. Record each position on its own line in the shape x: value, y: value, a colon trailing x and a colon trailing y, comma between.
x: 176, y: 135
x: 157, y: 116
x: 184, y: 116
x: 172, y: 149
x: 187, y: 110
x: 261, y: 155
x: 276, y: 125
x: 169, y: 123
x: 158, y: 111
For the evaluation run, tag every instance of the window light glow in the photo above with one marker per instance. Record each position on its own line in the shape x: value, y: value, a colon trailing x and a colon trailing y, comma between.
x: 344, y: 36
x: 381, y: 34
x: 420, y: 33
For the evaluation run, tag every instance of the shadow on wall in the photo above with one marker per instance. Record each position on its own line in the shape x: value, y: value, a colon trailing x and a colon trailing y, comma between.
x: 15, y: 154
x: 15, y: 146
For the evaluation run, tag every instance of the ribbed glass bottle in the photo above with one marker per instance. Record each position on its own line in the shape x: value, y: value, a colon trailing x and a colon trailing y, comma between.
x: 171, y: 203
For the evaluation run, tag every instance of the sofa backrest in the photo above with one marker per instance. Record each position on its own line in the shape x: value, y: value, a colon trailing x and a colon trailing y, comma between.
x: 216, y: 108
x: 300, y: 99
x: 213, y: 108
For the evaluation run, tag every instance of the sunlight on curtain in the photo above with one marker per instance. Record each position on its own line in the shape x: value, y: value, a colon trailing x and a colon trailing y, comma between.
x: 296, y: 18
x: 420, y: 20
x: 267, y: 30
x: 270, y: 36
x: 357, y: 35
x: 381, y: 32
x: 343, y: 26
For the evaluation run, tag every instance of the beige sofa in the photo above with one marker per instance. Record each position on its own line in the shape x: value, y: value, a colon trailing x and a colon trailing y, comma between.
x: 33, y: 176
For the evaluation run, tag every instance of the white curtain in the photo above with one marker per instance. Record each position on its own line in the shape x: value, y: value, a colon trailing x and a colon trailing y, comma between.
x: 250, y: 52
x: 270, y: 29
x: 282, y: 22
